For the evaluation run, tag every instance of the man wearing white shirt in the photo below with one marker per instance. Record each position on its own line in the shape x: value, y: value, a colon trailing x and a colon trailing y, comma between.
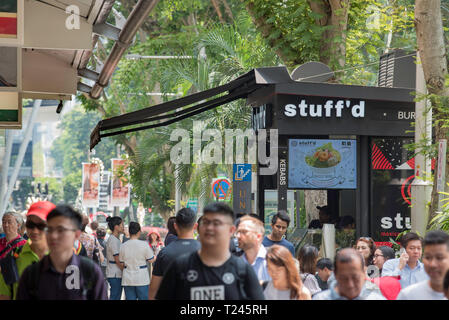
x: 408, y: 266
x: 134, y: 254
x: 436, y: 264
x: 250, y: 235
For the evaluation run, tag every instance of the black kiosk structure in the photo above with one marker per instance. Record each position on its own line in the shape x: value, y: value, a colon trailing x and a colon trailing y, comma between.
x: 348, y: 140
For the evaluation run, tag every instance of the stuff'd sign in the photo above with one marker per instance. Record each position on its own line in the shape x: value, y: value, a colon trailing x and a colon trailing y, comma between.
x: 327, y: 115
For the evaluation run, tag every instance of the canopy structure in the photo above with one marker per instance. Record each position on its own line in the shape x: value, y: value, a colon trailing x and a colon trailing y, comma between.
x: 236, y: 89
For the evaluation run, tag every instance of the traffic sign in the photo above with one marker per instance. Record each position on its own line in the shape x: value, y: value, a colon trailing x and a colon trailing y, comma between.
x: 221, y: 188
x: 193, y: 204
x: 242, y: 172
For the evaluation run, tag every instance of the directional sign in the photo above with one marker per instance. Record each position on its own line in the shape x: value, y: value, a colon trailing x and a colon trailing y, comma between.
x: 242, y: 172
x: 193, y: 204
x: 221, y: 188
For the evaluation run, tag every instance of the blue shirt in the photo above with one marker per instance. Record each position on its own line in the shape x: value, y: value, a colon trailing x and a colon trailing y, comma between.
x: 268, y: 243
x: 408, y: 276
x: 260, y: 264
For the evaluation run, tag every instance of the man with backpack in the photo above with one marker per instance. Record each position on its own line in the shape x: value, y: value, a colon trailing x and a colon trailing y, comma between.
x: 62, y: 275
x: 212, y: 272
x: 34, y: 249
x: 185, y: 224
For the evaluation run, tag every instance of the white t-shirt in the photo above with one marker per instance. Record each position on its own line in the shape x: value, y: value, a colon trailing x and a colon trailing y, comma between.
x: 420, y: 291
x: 134, y: 254
x: 112, y: 249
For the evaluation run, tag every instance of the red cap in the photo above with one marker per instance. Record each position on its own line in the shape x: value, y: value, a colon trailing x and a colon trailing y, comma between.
x: 41, y: 209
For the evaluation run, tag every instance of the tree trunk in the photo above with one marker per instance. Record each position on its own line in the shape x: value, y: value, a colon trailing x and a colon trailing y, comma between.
x: 430, y: 39
x: 217, y: 9
x: 334, y: 16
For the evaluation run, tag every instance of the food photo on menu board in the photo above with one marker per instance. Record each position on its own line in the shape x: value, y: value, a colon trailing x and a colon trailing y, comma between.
x: 322, y: 164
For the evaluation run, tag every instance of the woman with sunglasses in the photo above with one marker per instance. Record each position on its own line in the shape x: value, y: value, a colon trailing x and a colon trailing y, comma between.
x: 34, y: 249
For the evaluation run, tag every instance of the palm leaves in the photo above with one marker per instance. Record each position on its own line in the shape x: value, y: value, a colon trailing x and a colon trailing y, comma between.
x: 152, y: 173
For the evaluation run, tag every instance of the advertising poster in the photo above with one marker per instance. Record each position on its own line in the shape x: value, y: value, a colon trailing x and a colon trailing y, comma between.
x: 120, y: 187
x: 8, y: 19
x: 91, y: 182
x: 392, y: 173
x: 322, y: 164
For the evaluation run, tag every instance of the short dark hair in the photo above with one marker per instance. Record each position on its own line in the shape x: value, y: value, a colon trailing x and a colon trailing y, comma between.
x: 133, y: 228
x: 113, y: 221
x: 101, y: 233
x: 436, y: 237
x: 387, y: 252
x: 185, y: 218
x: 410, y: 236
x: 347, y: 255
x: 446, y: 281
x: 283, y: 215
x: 171, y: 225
x: 67, y: 212
x: 325, y: 263
x: 221, y: 208
x: 94, y: 225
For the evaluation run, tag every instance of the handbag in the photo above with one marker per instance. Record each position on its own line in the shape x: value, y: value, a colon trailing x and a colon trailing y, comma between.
x: 8, y: 264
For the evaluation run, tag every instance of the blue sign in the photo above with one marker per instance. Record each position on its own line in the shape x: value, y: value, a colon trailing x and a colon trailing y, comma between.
x: 242, y: 172
x: 322, y: 164
x: 221, y: 188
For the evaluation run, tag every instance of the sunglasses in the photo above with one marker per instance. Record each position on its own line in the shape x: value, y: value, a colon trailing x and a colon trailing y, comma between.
x: 32, y: 225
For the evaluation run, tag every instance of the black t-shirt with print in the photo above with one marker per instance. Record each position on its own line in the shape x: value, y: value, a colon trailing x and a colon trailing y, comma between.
x: 171, y: 252
x: 187, y: 278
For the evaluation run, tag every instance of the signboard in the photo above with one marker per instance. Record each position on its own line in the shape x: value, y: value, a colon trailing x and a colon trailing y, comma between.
x: 441, y: 164
x: 8, y: 19
x: 392, y: 172
x: 242, y: 172
x: 322, y: 164
x: 318, y: 115
x: 241, y: 188
x: 221, y: 188
x: 10, y: 110
x: 193, y: 204
x: 91, y: 182
x: 120, y: 188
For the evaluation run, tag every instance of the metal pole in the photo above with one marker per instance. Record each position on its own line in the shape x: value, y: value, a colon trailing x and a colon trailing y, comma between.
x: 20, y: 156
x: 9, y: 137
x: 177, y: 189
x: 421, y: 188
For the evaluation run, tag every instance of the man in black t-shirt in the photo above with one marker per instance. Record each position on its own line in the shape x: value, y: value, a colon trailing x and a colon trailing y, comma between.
x: 185, y: 223
x: 211, y: 273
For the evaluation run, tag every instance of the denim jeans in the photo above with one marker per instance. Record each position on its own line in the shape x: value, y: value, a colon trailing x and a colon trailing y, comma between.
x: 116, y: 288
x: 136, y: 292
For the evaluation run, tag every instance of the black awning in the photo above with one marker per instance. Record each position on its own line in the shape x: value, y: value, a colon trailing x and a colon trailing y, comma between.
x: 236, y: 89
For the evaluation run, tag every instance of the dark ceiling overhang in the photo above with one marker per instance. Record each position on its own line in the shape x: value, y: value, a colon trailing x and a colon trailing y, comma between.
x: 254, y: 85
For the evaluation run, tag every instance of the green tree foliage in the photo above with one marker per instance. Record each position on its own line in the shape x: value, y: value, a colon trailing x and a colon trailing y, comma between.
x: 71, y: 149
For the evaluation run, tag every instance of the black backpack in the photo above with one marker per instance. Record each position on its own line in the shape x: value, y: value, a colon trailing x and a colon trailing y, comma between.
x: 87, y: 272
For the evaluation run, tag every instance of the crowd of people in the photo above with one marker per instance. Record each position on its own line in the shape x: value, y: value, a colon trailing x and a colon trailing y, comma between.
x: 60, y: 255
